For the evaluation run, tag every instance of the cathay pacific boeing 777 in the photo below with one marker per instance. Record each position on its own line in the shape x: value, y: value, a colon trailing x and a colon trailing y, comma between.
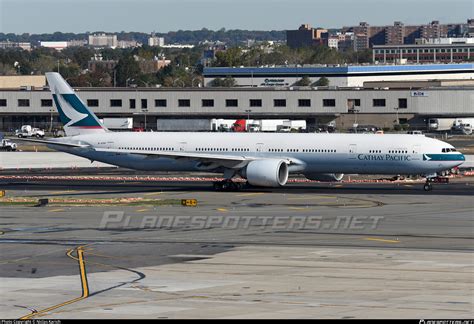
x: 264, y: 159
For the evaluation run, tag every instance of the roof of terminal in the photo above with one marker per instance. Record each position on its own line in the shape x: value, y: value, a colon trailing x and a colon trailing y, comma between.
x: 348, y: 69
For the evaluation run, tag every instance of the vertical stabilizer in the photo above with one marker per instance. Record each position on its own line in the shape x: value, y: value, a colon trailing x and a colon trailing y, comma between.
x: 75, y: 116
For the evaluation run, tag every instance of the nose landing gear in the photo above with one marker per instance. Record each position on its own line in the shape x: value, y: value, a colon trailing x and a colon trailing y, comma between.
x: 428, y: 186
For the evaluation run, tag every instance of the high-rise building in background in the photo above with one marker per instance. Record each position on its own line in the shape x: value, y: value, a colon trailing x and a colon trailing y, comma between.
x: 398, y: 43
x: 156, y: 41
x: 305, y: 36
x: 103, y: 40
x: 367, y: 36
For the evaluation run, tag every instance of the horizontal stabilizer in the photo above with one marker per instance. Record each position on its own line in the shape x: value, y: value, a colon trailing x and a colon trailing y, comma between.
x: 50, y: 142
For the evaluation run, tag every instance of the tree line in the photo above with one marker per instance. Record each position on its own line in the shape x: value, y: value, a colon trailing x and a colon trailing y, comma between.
x: 185, y: 69
x: 284, y: 55
x: 231, y: 36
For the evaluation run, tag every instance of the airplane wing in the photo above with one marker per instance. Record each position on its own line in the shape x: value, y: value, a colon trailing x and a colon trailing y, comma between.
x: 212, y: 160
x: 50, y: 142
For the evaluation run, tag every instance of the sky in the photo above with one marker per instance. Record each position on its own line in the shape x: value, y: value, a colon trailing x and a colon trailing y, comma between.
x: 48, y: 16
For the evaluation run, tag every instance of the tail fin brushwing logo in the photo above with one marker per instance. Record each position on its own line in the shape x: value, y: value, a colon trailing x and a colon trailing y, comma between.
x: 72, y: 114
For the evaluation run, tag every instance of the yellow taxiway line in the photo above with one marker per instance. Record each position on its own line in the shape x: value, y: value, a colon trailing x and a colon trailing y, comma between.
x: 251, y: 194
x: 85, y: 285
x: 313, y: 197
x: 381, y: 240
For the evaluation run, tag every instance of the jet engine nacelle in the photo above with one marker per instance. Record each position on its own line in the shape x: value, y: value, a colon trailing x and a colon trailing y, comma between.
x: 266, y: 173
x: 325, y: 177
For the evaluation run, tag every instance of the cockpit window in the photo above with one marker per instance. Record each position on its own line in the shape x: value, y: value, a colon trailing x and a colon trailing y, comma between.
x: 446, y: 150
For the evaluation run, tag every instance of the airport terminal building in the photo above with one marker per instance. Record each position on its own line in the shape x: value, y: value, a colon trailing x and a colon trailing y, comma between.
x: 381, y: 106
x: 381, y: 95
x: 339, y: 76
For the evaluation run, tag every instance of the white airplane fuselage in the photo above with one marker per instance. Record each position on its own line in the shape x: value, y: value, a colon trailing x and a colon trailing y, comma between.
x: 314, y: 153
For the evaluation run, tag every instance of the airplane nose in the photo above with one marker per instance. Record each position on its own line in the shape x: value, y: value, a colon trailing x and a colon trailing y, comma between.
x: 461, y: 159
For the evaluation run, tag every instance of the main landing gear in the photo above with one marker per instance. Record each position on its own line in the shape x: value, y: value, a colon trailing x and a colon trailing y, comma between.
x: 228, y: 185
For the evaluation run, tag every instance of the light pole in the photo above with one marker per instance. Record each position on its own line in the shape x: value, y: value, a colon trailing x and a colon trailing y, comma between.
x: 144, y: 112
x: 398, y: 120
x: 51, y: 120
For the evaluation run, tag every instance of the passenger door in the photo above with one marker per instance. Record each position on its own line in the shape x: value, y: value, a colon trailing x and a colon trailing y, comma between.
x: 259, y: 148
x: 182, y: 146
x: 416, y: 152
x: 352, y: 151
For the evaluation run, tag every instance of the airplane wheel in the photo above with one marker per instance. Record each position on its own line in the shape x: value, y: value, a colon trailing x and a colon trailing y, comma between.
x: 239, y: 185
x: 227, y: 186
x: 221, y: 186
x: 428, y: 187
x: 232, y: 186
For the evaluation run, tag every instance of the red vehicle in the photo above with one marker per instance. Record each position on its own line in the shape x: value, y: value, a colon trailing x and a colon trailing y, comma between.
x: 239, y: 126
